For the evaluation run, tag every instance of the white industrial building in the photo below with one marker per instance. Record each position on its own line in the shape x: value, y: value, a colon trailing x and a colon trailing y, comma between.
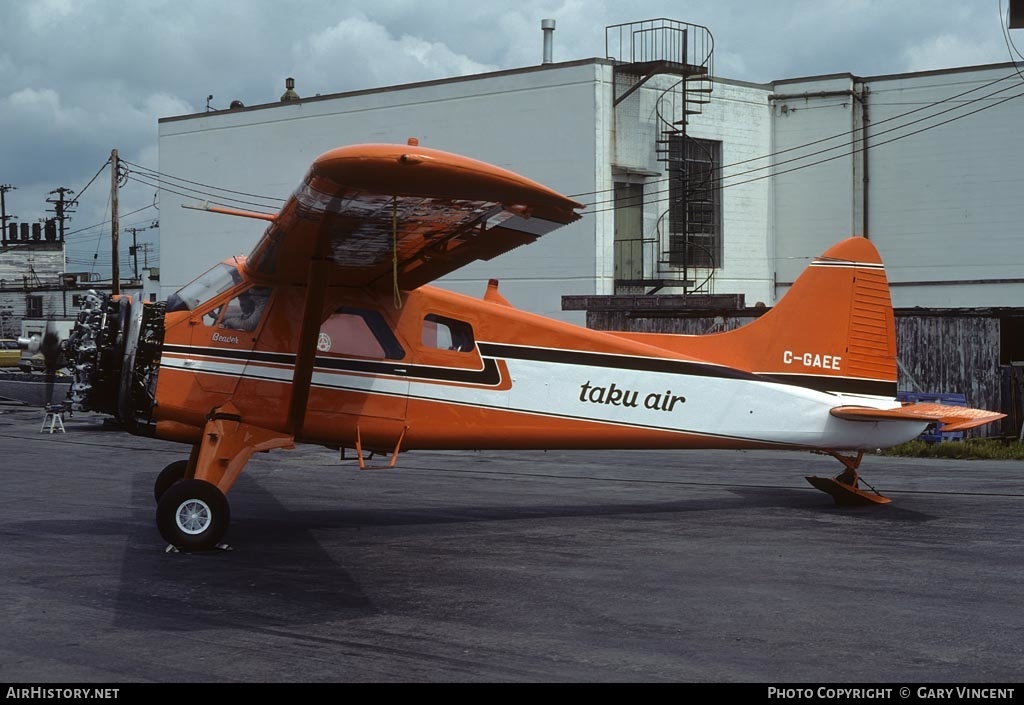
x: 928, y: 165
x: 943, y: 206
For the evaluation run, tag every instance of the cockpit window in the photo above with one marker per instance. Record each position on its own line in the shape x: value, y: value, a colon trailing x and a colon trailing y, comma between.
x: 245, y: 310
x: 205, y: 287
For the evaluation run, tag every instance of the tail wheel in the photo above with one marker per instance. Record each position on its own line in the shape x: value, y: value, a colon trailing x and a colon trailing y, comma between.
x: 170, y: 475
x: 193, y: 515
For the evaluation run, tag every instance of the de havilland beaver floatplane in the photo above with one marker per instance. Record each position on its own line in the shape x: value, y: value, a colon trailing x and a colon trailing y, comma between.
x: 329, y: 333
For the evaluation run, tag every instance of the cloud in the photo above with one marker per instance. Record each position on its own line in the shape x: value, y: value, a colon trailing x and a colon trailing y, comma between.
x: 948, y: 50
x: 79, y: 77
x: 359, y: 53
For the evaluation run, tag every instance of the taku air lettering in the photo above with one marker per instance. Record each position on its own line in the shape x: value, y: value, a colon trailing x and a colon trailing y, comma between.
x: 815, y: 360
x: 613, y: 396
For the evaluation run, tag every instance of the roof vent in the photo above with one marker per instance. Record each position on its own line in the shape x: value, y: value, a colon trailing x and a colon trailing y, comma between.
x: 289, y: 93
x: 548, y: 27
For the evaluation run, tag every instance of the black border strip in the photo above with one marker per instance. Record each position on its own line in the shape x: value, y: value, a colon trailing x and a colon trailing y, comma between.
x: 489, y: 375
x: 228, y: 353
x: 819, y: 383
x: 839, y: 385
x: 620, y: 362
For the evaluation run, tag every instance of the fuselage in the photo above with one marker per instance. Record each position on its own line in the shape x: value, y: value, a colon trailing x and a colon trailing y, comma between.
x: 447, y: 371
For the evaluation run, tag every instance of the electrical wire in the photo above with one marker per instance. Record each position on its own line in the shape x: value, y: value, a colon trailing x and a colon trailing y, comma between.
x: 156, y: 179
x: 720, y: 181
x: 105, y: 222
x: 195, y: 193
x: 153, y: 173
x: 849, y: 133
x: 92, y: 269
x: 1010, y: 46
x: 98, y: 172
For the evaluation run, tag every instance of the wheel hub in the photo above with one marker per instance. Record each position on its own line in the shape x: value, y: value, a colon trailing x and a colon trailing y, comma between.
x: 193, y: 516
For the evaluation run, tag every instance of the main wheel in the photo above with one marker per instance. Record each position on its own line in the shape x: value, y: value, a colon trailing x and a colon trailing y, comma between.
x: 193, y: 515
x: 173, y: 473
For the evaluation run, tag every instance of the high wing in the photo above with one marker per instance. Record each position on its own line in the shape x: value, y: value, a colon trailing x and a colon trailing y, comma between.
x: 402, y: 215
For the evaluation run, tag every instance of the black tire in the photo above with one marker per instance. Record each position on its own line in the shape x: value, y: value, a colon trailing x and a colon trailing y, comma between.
x: 193, y: 515
x: 170, y: 475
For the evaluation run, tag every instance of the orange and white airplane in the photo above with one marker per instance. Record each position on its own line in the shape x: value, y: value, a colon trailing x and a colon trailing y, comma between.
x: 329, y: 333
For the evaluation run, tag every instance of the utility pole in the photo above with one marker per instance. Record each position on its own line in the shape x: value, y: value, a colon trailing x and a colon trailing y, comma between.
x: 134, y: 249
x: 4, y: 188
x: 115, y: 266
x: 61, y: 207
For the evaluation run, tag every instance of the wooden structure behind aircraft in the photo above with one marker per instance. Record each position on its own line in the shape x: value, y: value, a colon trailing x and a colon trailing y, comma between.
x: 329, y: 333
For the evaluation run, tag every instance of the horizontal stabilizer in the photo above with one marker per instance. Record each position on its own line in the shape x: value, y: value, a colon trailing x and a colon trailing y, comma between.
x: 953, y: 418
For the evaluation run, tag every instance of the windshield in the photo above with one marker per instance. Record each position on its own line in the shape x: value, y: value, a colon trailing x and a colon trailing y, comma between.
x: 202, y: 289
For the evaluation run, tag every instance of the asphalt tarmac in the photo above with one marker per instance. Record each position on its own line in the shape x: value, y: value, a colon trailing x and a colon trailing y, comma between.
x: 696, y: 566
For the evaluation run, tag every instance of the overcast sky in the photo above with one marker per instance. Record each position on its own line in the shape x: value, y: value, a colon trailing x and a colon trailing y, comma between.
x: 80, y: 77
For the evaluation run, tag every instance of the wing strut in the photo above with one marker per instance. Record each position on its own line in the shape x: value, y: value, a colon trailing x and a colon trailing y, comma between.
x: 394, y: 252
x: 305, y: 357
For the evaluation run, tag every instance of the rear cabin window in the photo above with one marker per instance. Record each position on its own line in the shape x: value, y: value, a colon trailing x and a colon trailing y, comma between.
x: 447, y: 334
x: 358, y: 333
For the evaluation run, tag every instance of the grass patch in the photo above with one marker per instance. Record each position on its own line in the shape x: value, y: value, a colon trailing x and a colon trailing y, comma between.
x: 969, y: 449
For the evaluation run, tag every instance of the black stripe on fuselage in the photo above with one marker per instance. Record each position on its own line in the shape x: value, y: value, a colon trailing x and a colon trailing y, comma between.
x: 839, y: 385
x: 619, y: 362
x: 229, y: 354
x: 820, y: 383
x: 489, y: 375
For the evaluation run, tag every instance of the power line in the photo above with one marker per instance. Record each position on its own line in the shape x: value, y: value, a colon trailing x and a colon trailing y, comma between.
x: 1010, y: 46
x: 849, y: 133
x: 138, y: 177
x: 107, y: 222
x: 153, y: 173
x: 838, y: 156
x: 82, y: 191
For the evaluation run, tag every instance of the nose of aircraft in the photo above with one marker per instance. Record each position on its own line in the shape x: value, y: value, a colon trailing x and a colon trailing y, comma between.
x: 95, y: 350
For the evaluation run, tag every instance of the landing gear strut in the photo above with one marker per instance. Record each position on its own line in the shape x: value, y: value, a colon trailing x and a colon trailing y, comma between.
x: 844, y: 487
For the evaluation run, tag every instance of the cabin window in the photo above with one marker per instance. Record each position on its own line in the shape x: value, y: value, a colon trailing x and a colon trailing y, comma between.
x: 447, y: 334
x: 207, y: 286
x: 358, y: 333
x: 245, y: 310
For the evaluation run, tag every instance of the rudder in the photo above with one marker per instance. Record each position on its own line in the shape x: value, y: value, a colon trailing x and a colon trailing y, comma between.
x: 834, y: 330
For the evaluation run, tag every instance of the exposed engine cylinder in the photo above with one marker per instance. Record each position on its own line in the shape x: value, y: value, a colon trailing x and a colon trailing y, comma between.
x: 113, y: 354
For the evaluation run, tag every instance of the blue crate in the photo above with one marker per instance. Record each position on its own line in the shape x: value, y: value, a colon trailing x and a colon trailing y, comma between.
x: 936, y: 435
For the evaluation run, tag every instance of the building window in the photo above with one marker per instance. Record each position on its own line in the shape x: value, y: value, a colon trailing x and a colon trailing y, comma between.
x: 33, y: 307
x: 1011, y: 341
x: 695, y: 203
